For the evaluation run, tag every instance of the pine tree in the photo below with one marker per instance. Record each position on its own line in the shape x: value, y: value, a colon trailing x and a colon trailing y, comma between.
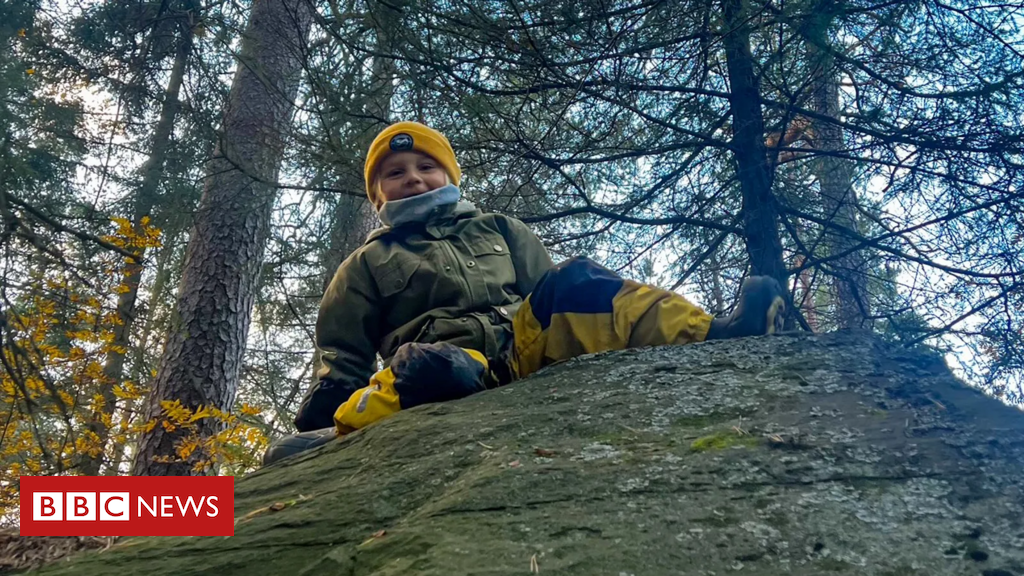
x: 200, y: 366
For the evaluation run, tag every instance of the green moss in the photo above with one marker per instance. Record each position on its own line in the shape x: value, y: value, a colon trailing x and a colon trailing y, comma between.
x: 722, y: 440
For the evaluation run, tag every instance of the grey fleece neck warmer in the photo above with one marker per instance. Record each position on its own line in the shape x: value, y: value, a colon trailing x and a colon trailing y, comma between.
x: 417, y: 208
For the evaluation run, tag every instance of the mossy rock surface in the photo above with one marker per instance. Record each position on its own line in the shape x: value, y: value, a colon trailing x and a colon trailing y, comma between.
x: 794, y: 454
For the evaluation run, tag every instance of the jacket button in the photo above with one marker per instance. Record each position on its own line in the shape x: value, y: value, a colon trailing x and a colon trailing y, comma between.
x: 470, y: 264
x: 503, y: 311
x: 497, y: 248
x: 447, y: 268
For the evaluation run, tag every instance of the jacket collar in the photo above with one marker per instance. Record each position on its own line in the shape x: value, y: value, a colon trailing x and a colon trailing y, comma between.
x: 439, y: 215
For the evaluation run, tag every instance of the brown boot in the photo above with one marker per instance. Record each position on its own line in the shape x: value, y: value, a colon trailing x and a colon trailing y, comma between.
x: 760, y: 310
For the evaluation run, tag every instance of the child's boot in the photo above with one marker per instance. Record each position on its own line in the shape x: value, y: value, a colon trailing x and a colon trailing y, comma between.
x: 295, y: 443
x: 760, y: 310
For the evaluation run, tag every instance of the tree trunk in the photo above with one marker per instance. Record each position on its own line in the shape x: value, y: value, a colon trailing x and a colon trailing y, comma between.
x: 759, y: 209
x: 201, y: 361
x: 145, y: 199
x: 835, y: 180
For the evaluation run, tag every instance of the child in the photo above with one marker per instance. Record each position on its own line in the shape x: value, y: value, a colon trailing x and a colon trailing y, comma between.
x: 457, y: 301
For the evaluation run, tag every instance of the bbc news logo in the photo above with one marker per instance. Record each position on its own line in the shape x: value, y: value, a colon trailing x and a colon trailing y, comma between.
x: 115, y: 506
x: 127, y: 506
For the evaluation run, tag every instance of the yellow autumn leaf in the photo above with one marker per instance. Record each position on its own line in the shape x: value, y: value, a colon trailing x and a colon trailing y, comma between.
x: 186, y: 448
x: 68, y: 399
x: 200, y: 414
x: 30, y: 71
x: 249, y: 409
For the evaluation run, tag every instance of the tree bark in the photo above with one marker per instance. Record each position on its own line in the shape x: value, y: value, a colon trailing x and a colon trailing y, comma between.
x: 835, y: 178
x: 145, y: 199
x: 201, y: 361
x: 759, y: 209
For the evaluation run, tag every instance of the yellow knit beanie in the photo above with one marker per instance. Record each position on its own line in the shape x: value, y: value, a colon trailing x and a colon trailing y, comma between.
x: 403, y: 137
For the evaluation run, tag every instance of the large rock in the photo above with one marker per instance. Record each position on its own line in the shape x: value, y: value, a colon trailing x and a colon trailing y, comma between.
x: 780, y: 455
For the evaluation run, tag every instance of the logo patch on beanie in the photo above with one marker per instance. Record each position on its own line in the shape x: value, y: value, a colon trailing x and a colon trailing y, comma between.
x: 401, y: 142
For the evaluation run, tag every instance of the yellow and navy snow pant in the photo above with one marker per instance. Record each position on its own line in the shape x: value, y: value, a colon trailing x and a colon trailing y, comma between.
x: 578, y: 307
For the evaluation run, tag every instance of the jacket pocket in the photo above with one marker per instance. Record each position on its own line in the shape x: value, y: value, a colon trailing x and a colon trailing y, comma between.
x: 394, y: 275
x: 494, y: 270
x: 470, y: 331
x: 490, y: 245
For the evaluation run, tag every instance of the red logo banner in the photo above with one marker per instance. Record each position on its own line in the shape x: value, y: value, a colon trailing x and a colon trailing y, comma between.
x: 127, y: 506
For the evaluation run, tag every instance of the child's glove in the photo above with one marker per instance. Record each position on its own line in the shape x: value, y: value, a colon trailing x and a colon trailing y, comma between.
x: 419, y: 374
x: 426, y: 373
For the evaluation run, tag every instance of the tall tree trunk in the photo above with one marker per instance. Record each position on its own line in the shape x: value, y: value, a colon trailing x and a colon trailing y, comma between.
x: 759, y: 209
x: 202, y: 359
x: 145, y: 199
x: 835, y: 176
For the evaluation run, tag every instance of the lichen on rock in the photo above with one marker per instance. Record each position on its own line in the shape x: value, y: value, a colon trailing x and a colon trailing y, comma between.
x: 793, y: 454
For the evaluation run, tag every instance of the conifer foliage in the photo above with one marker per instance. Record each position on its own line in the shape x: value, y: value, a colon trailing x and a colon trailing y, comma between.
x: 179, y: 179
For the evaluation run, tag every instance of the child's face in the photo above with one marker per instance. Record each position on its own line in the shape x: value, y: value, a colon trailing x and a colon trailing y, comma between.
x: 405, y: 174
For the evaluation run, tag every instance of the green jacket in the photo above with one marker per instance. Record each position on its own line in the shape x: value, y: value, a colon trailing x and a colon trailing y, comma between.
x: 459, y: 278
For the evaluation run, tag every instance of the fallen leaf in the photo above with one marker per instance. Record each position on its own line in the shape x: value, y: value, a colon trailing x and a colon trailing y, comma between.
x: 514, y: 464
x: 544, y: 452
x: 376, y: 536
x: 275, y: 507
